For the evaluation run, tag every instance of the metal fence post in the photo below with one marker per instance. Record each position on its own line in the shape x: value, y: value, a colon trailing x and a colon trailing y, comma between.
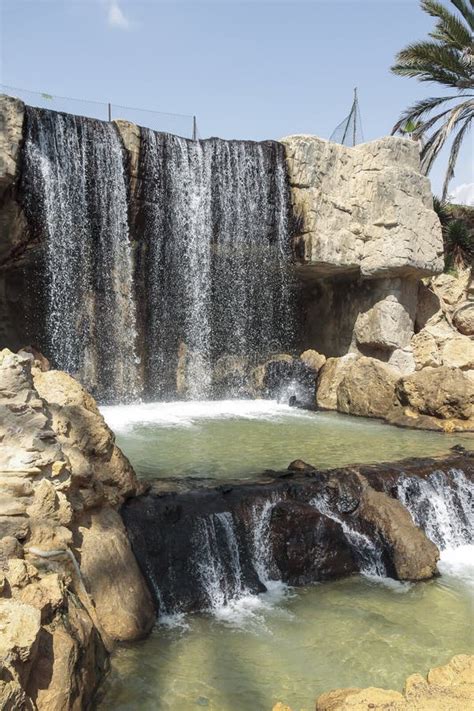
x: 110, y: 111
x: 194, y: 129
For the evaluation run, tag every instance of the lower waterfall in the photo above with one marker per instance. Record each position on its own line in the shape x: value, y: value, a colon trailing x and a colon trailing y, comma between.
x: 442, y: 507
x: 75, y: 196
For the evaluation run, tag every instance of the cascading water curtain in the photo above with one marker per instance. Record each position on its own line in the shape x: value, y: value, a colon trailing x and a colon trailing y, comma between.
x: 74, y: 190
x: 215, y: 222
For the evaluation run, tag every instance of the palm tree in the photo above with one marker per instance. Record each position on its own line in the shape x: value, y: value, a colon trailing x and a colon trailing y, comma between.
x: 446, y: 59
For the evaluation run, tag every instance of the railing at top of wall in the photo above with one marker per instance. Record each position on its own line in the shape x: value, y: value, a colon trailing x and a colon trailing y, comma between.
x: 180, y: 124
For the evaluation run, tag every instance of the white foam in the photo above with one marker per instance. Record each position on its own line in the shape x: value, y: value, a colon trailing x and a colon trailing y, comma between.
x: 176, y: 621
x: 249, y: 611
x: 396, y: 586
x: 123, y: 418
x: 458, y: 563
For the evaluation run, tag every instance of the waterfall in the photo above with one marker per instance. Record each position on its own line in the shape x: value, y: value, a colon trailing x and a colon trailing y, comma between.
x: 204, y: 293
x: 217, y: 559
x: 261, y: 540
x: 441, y: 506
x: 214, y: 217
x: 75, y: 194
x: 367, y: 552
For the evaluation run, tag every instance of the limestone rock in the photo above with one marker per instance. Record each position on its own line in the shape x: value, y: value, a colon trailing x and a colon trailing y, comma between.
x: 123, y: 604
x: 451, y: 289
x: 458, y: 352
x: 463, y: 318
x: 20, y: 573
x: 83, y: 435
x: 70, y: 662
x: 313, y: 359
x: 438, y: 392
x: 230, y: 374
x: 365, y: 209
x: 387, y: 325
x: 46, y: 595
x: 428, y: 304
x: 329, y: 378
x: 414, y: 556
x: 425, y: 350
x: 447, y: 688
x: 19, y: 633
x: 366, y: 388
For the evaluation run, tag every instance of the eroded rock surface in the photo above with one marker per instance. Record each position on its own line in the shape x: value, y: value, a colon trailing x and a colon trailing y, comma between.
x: 69, y: 583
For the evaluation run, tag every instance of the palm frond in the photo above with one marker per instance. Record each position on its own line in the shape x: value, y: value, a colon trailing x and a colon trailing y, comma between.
x: 446, y: 59
x: 437, y: 140
x: 466, y: 11
x: 453, y: 156
x: 449, y: 27
x: 432, y: 61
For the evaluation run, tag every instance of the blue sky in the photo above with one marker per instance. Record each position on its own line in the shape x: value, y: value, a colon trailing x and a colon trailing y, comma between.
x: 260, y: 69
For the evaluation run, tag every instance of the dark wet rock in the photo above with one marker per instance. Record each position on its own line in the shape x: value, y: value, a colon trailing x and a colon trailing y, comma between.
x: 299, y: 466
x: 315, y: 550
x: 300, y: 525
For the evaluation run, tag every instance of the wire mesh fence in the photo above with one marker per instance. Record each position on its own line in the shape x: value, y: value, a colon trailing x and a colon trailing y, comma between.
x: 349, y: 131
x: 179, y: 124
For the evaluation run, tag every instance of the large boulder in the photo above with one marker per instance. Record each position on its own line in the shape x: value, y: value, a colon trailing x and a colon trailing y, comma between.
x: 123, y: 606
x: 463, y: 318
x: 388, y: 325
x: 414, y: 556
x: 366, y: 388
x: 85, y: 439
x: 435, y: 398
x: 458, y: 352
x: 65, y: 558
x: 329, y: 379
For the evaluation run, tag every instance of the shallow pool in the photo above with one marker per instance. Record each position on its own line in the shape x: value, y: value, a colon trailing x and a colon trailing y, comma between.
x: 291, y: 645
x: 238, y: 438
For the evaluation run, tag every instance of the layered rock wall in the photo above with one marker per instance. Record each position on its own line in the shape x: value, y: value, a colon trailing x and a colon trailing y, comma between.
x: 69, y: 583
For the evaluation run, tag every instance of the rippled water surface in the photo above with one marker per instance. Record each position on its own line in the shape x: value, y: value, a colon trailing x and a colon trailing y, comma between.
x: 238, y: 438
x: 291, y: 645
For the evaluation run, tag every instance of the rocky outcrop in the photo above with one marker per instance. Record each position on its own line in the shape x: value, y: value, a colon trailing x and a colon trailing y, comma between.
x: 68, y: 573
x: 445, y: 688
x: 365, y: 209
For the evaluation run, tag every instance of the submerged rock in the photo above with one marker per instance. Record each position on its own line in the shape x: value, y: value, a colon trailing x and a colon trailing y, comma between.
x: 445, y: 688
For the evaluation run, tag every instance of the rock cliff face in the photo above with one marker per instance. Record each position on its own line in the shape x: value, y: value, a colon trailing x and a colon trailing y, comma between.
x: 365, y: 209
x: 69, y: 583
